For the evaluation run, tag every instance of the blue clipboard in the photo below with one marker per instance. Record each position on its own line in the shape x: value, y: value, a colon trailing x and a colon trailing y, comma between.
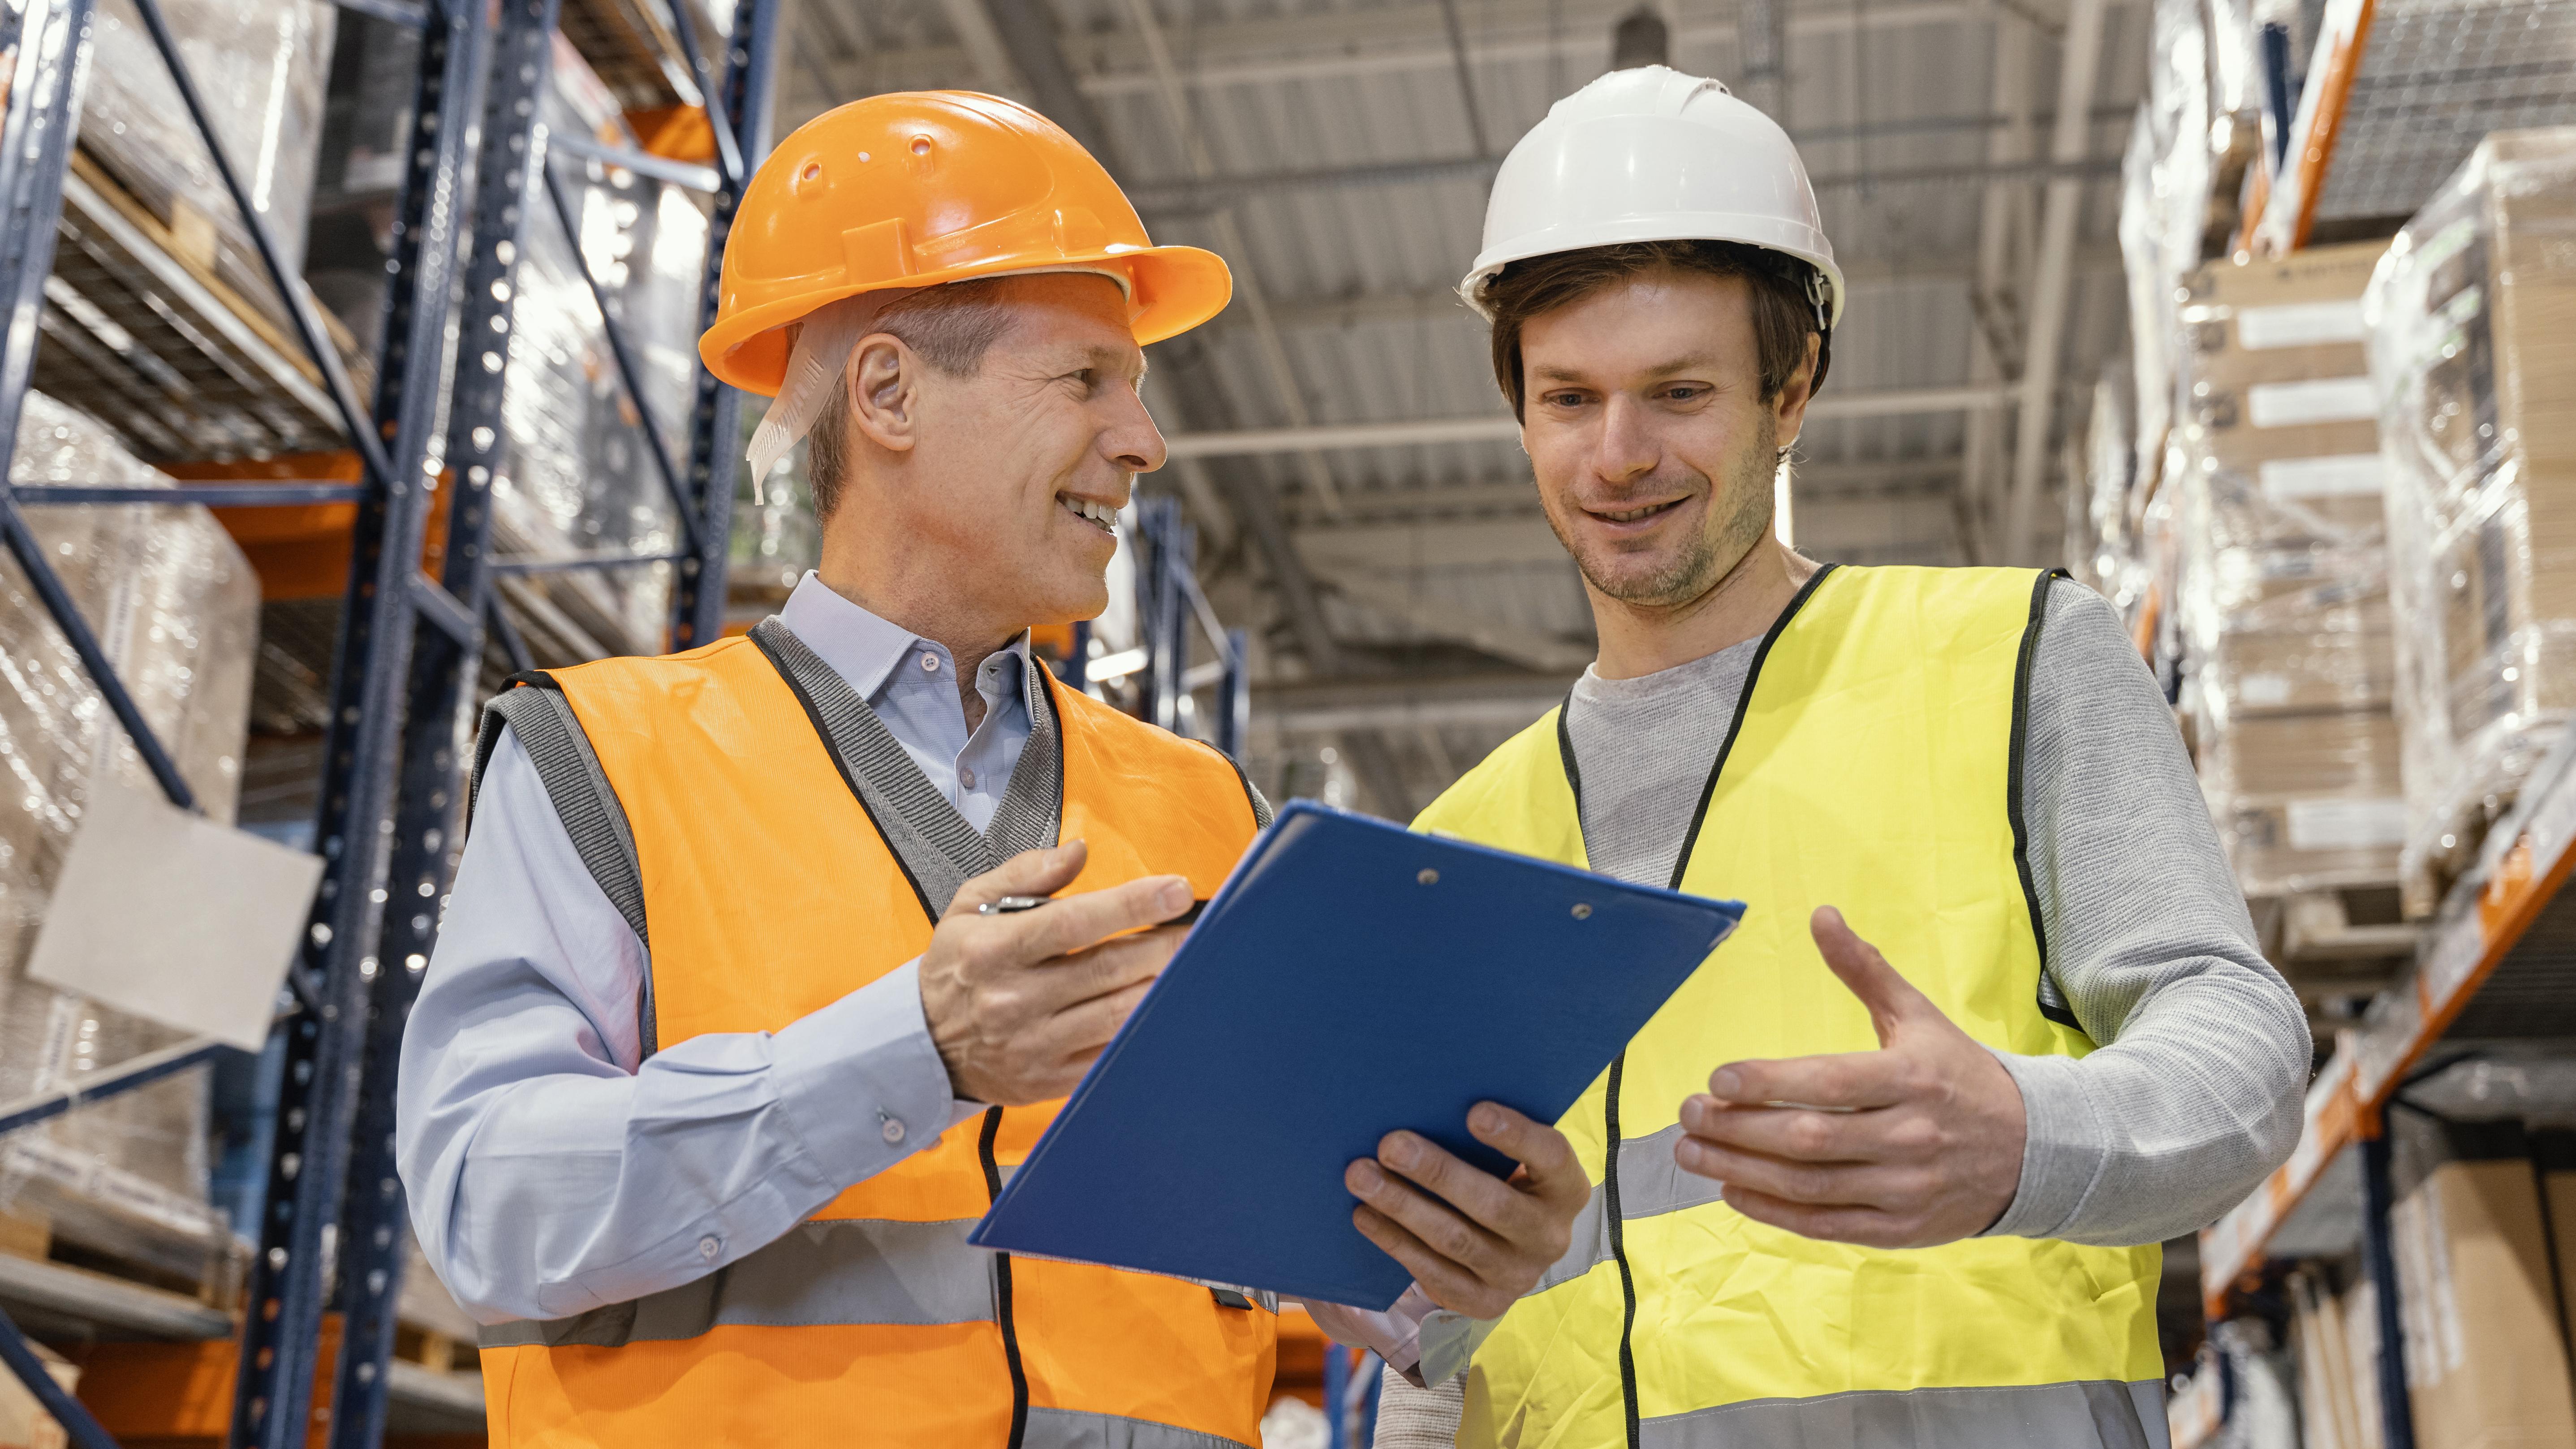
x: 1350, y: 978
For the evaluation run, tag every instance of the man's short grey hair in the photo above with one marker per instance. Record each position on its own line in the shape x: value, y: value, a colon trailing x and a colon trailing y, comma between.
x: 951, y: 327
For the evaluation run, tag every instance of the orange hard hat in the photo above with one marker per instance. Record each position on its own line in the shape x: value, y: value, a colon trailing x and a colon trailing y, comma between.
x: 916, y: 188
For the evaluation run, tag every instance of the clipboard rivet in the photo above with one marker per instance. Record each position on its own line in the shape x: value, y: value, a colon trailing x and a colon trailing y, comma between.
x: 1428, y: 876
x: 1582, y: 911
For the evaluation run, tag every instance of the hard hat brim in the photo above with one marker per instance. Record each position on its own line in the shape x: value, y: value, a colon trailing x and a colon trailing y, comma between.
x: 1810, y: 249
x: 1170, y: 290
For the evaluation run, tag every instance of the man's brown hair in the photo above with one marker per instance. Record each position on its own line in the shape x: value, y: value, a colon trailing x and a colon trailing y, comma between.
x: 950, y: 326
x: 1783, y: 315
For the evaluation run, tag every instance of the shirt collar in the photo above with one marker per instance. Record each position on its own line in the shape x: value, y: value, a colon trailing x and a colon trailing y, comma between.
x: 861, y: 647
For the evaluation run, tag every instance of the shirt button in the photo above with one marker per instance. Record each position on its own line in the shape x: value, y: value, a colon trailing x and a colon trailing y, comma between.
x: 930, y: 664
x: 709, y: 1246
x: 966, y: 776
x: 893, y: 1130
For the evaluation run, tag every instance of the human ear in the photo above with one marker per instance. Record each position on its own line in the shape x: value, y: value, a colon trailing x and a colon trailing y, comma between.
x: 1789, y: 409
x: 884, y: 379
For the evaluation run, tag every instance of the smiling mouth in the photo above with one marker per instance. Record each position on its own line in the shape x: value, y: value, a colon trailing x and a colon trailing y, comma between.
x: 1092, y: 511
x: 1634, y: 515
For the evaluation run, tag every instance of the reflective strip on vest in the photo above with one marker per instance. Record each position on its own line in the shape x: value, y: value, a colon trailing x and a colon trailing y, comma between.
x: 847, y: 1271
x: 1871, y: 765
x: 1072, y: 1429
x: 2022, y: 1416
x: 1650, y: 1183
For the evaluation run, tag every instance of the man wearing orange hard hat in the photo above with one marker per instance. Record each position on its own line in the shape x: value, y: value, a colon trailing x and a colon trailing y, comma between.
x: 725, y: 1046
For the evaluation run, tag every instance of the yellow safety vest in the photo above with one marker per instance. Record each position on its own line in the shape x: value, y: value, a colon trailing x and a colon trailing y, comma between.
x: 1873, y: 765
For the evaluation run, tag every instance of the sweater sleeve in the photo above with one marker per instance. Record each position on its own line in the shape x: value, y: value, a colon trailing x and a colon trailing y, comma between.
x: 2194, y: 1093
x: 1411, y: 1418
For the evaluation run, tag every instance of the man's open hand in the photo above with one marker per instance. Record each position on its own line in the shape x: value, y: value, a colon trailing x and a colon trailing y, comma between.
x: 1019, y: 1004
x: 1922, y: 1143
x: 1474, y: 1241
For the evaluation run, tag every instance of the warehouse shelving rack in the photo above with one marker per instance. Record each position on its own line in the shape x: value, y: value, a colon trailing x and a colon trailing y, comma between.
x: 1168, y: 602
x: 409, y: 644
x: 2394, y: 96
x: 2498, y: 965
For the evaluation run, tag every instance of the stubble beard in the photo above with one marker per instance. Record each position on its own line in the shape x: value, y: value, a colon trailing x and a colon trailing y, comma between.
x: 1708, y: 556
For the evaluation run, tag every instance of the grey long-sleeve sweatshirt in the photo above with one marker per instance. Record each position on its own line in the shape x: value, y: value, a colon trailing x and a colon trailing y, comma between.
x: 2194, y: 1094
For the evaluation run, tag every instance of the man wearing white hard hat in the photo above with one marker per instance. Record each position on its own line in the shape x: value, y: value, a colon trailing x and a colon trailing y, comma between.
x: 1891, y: 1168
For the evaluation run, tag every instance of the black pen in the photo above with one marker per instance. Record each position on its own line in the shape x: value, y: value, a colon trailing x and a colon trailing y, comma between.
x: 1012, y: 905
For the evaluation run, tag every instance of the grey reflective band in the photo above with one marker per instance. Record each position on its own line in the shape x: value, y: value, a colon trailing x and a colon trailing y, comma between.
x: 534, y: 709
x: 2098, y: 1414
x: 938, y: 847
x: 569, y: 768
x: 1650, y: 1184
x: 840, y: 1272
x: 1033, y: 802
x: 1073, y: 1429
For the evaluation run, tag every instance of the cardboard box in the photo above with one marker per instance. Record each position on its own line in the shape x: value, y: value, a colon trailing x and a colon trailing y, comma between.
x: 24, y: 1424
x: 2288, y: 317
x: 2558, y: 1184
x: 2485, y: 1358
x: 2307, y: 801
x: 2278, y: 395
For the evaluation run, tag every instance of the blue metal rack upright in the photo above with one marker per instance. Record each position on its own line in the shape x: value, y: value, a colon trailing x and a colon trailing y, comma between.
x: 392, y: 788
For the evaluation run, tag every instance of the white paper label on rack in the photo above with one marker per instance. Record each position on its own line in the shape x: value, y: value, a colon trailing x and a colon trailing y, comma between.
x: 2262, y: 691
x: 2347, y: 824
x: 2299, y: 324
x: 2318, y: 400
x: 2553, y: 825
x: 2462, y: 943
x: 2346, y: 475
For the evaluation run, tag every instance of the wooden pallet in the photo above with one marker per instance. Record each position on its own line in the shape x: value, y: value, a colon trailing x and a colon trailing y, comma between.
x: 2343, y: 924
x: 140, y: 333
x: 56, y: 1227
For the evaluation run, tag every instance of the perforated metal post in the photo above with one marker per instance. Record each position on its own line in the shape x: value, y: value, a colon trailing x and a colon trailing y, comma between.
x: 1234, y: 695
x: 715, y: 419
x: 2379, y: 1259
x: 328, y: 1048
x: 445, y: 674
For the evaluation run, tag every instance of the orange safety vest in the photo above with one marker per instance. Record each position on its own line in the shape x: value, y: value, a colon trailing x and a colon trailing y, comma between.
x: 771, y: 893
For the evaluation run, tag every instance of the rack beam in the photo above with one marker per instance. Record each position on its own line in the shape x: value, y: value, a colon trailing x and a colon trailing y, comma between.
x: 2289, y: 211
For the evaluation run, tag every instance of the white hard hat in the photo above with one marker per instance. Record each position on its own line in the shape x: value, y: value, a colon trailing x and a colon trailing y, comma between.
x: 1652, y: 154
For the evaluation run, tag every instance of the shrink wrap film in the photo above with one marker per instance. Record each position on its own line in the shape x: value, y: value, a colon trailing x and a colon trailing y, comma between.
x: 261, y: 66
x: 2282, y: 593
x: 175, y: 607
x: 577, y: 475
x: 2473, y: 359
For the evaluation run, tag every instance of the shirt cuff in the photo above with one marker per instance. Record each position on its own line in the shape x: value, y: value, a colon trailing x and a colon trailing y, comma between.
x: 2062, y: 1148
x: 1421, y: 1340
x: 861, y: 1082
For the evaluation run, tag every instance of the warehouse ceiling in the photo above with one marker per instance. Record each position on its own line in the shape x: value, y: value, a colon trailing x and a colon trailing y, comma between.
x: 1373, y: 523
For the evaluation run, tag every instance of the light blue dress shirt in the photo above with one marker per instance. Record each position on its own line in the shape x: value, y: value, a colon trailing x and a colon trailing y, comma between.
x: 550, y: 1169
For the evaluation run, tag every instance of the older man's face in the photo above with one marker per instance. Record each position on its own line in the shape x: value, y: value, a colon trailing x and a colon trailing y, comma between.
x: 1024, y: 464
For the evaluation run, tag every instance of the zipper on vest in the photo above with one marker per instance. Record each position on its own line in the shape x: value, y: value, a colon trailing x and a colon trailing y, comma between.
x: 1002, y: 1287
x: 1619, y: 1250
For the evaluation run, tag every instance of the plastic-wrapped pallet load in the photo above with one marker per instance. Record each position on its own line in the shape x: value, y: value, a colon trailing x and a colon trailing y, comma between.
x: 577, y: 475
x: 176, y: 609
x: 261, y: 67
x: 2473, y: 354
x: 2283, y: 597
